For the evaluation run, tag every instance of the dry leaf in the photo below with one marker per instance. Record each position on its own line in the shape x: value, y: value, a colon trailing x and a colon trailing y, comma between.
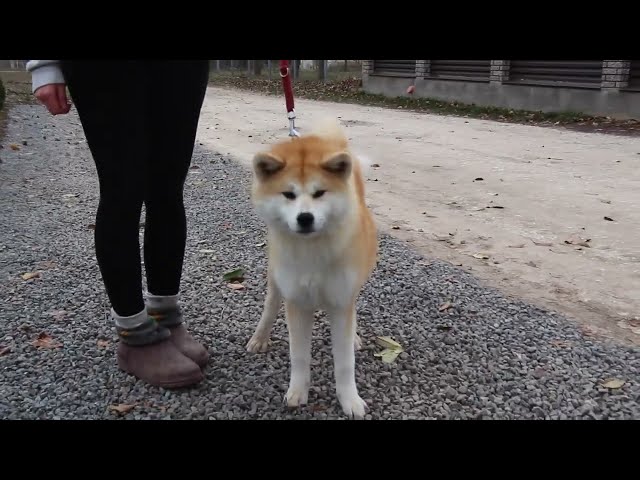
x: 391, y: 349
x: 15, y: 147
x: 236, y: 286
x: 445, y: 306
x: 395, y: 227
x: 121, y: 408
x: 608, y: 219
x: 46, y: 342
x: 388, y: 342
x: 4, y: 350
x: 30, y: 275
x: 481, y: 256
x: 103, y: 343
x: 577, y: 240
x: 518, y: 245
x: 479, y: 179
x: 234, y: 275
x: 388, y: 355
x: 614, y: 383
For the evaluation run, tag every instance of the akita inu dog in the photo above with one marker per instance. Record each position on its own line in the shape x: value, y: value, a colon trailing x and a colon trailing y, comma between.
x: 322, y: 247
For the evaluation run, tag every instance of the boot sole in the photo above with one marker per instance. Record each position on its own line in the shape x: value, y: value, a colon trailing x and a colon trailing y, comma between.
x: 170, y: 384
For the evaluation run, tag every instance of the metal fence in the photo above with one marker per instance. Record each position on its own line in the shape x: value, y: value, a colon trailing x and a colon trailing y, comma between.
x: 323, y: 70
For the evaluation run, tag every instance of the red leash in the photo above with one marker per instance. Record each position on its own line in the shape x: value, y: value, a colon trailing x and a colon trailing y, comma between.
x: 288, y: 95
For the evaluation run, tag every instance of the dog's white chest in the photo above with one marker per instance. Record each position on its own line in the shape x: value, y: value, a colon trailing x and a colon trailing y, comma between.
x: 315, y: 286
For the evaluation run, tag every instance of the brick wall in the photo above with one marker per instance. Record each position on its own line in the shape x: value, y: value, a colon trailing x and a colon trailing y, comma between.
x: 499, y: 71
x: 615, y: 74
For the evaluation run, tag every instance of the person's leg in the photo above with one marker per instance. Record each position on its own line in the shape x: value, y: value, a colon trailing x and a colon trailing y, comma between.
x: 109, y: 98
x: 178, y: 88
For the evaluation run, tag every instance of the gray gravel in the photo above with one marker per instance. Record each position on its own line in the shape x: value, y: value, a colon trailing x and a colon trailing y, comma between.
x: 486, y: 357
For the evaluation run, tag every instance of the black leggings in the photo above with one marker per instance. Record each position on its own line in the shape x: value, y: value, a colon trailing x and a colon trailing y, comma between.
x: 140, y: 121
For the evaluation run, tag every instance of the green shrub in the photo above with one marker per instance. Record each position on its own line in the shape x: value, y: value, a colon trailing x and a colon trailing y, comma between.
x: 2, y: 94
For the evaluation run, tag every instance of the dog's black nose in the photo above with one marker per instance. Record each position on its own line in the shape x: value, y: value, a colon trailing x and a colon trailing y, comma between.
x: 305, y: 220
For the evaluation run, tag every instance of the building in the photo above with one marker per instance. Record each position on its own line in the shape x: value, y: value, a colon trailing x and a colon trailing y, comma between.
x: 595, y: 87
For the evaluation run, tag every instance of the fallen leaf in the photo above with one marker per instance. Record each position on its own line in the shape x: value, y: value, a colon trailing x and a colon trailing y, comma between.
x: 15, y: 147
x: 518, y: 245
x: 375, y: 165
x: 91, y: 226
x: 495, y: 206
x: 103, y: 343
x: 194, y: 167
x: 234, y: 275
x: 577, y: 240
x: 236, y: 286
x: 395, y: 227
x: 606, y: 201
x: 608, y: 219
x: 391, y: 349
x: 388, y: 342
x: 445, y: 306
x: 4, y: 350
x: 481, y: 256
x: 388, y: 355
x: 45, y: 341
x: 479, y: 179
x: 121, y: 408
x: 206, y: 251
x: 30, y: 275
x: 614, y: 383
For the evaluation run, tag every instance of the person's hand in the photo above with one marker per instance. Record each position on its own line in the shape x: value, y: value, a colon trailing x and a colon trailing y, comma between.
x: 54, y: 97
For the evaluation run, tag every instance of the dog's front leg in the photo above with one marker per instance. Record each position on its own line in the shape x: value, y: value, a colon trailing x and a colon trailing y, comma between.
x: 300, y: 326
x: 259, y: 341
x: 343, y: 334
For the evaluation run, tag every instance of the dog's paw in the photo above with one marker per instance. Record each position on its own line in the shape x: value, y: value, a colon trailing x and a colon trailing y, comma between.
x: 353, y: 406
x: 296, y: 396
x: 357, y: 343
x: 258, y: 345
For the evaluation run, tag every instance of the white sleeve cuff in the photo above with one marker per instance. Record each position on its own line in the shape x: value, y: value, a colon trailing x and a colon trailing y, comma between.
x: 46, y: 75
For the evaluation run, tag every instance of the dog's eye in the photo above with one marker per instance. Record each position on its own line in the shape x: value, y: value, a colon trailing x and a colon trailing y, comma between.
x: 319, y: 193
x: 289, y: 195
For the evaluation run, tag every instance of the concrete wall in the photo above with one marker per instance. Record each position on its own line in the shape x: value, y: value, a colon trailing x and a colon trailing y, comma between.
x: 611, y: 99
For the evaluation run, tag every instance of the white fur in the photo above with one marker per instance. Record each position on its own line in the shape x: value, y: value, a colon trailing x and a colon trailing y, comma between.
x: 309, y: 273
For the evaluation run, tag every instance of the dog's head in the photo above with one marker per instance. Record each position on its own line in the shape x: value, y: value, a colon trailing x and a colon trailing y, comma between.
x: 304, y: 186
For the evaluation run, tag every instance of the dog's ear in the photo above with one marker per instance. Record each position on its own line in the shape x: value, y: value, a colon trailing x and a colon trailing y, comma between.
x: 266, y: 164
x: 338, y: 164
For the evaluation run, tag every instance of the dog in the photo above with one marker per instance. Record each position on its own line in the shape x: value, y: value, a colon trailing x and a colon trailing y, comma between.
x: 322, y: 248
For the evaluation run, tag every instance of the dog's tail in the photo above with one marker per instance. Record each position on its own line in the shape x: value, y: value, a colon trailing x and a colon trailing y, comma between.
x: 330, y: 128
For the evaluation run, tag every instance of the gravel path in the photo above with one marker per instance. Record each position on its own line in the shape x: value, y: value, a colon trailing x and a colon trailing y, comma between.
x: 485, y: 357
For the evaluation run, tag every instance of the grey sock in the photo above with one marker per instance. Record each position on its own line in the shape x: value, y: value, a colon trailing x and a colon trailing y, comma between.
x: 161, y: 302
x: 139, y: 329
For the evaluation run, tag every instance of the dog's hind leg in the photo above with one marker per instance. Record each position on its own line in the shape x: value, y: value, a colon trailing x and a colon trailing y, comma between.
x: 343, y: 332
x: 260, y: 340
x: 300, y: 325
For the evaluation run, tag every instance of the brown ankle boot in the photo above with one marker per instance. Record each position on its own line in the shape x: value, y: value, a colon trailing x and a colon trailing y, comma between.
x: 181, y: 338
x: 148, y: 354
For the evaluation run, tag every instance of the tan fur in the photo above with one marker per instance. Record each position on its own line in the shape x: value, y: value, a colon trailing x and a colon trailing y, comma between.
x: 324, y: 271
